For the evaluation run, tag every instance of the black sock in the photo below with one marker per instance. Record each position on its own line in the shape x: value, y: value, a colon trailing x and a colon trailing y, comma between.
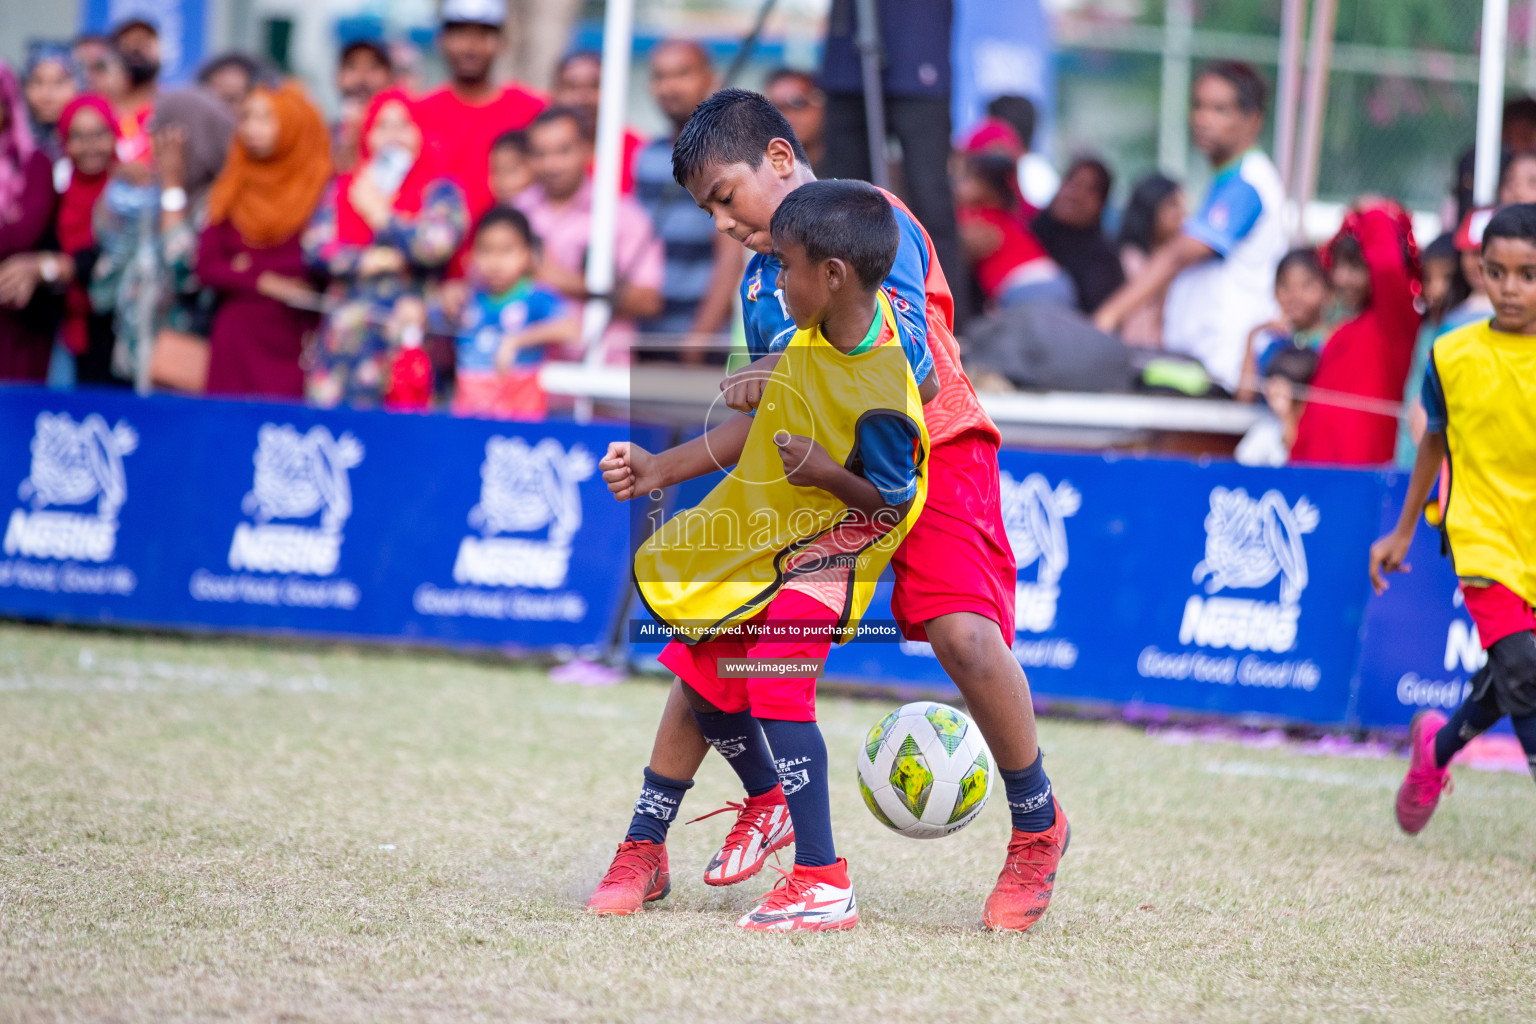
x: 801, y: 756
x: 1525, y: 731
x: 1470, y: 721
x: 657, y: 807
x: 1029, y: 797
x: 738, y: 738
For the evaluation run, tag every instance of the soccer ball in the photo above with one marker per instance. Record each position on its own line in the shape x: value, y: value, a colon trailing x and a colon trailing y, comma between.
x: 925, y: 771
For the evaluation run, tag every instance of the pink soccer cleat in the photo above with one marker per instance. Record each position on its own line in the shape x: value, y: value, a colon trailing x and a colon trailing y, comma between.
x: 1421, y: 789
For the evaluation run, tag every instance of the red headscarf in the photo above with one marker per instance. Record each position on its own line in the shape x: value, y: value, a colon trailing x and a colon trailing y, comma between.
x: 1402, y: 226
x: 351, y: 229
x: 994, y: 135
x: 79, y: 199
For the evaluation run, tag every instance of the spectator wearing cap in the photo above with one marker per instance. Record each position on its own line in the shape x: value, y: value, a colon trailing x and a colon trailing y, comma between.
x: 559, y: 209
x: 464, y: 117
x: 703, y: 266
x: 804, y: 106
x: 578, y: 84
x: 1222, y: 267
x: 363, y: 70
x: 231, y: 76
x: 1072, y: 230
x: 137, y: 42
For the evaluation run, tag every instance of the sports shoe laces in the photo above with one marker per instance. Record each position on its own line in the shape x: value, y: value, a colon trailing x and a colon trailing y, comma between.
x: 1426, y: 783
x: 748, y: 820
x: 790, y: 890
x: 632, y: 861
x: 1029, y: 849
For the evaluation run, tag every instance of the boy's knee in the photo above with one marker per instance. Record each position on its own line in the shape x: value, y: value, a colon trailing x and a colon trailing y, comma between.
x: 966, y: 644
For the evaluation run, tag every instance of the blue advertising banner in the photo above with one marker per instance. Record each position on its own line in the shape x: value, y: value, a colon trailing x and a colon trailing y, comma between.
x: 1420, y: 648
x: 253, y: 516
x: 182, y: 24
x: 1206, y: 587
x: 1001, y: 49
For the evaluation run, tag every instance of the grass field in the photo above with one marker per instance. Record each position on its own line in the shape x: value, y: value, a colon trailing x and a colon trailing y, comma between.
x: 195, y: 830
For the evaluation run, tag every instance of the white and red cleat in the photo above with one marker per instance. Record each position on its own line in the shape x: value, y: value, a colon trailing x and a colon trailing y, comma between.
x: 807, y: 900
x: 762, y: 826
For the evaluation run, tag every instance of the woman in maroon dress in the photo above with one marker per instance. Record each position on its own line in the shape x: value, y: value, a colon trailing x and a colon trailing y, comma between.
x: 28, y: 316
x: 250, y: 254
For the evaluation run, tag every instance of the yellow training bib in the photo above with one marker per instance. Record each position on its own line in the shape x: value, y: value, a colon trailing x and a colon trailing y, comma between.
x: 714, y: 566
x: 1489, y: 381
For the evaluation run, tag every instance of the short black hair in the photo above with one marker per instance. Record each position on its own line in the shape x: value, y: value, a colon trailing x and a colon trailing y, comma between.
x: 847, y: 220
x: 550, y: 115
x: 132, y: 22
x: 512, y: 218
x: 1294, y: 363
x: 1306, y: 258
x: 1516, y: 221
x: 1019, y: 112
x: 515, y: 139
x: 576, y: 55
x: 734, y: 126
x: 778, y: 75
x: 1252, y: 92
x: 1099, y: 167
x: 379, y: 51
x: 232, y: 59
x: 1520, y: 108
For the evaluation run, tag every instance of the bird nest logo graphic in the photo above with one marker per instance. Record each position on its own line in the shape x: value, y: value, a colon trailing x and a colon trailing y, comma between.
x: 1035, y: 514
x: 297, y: 476
x: 1249, y: 542
x: 73, y: 463
x: 524, y: 489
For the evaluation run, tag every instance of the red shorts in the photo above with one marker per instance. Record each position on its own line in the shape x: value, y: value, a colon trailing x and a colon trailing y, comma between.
x: 1497, y: 611
x: 957, y: 557
x: 785, y: 699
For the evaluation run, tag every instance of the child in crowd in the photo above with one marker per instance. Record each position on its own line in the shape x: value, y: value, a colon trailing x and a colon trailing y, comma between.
x: 506, y: 324
x: 510, y: 171
x: 1010, y: 264
x: 1374, y: 265
x: 1480, y: 396
x: 1303, y: 295
x: 1286, y: 375
x: 826, y: 515
x: 1445, y: 288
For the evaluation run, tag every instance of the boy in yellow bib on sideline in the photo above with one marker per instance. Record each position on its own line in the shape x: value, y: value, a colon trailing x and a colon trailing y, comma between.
x: 1480, y: 397
x: 780, y: 560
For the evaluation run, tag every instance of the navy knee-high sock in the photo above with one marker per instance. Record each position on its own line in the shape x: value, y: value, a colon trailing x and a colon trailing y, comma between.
x: 657, y: 807
x: 738, y: 738
x: 1525, y: 729
x: 801, y: 756
x: 1470, y: 721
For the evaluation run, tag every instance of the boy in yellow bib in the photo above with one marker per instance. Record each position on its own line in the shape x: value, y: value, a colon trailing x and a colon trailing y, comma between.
x: 1480, y: 396
x: 780, y: 560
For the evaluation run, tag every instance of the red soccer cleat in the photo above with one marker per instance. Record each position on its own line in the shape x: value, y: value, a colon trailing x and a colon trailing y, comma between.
x: 1023, y: 890
x: 762, y: 826
x: 1420, y: 792
x: 807, y: 900
x: 637, y: 876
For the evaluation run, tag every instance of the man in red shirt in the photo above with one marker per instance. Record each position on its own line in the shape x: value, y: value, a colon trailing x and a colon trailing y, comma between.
x: 464, y: 117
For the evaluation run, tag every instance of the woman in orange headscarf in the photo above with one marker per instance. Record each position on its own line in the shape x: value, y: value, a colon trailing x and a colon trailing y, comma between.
x: 250, y: 252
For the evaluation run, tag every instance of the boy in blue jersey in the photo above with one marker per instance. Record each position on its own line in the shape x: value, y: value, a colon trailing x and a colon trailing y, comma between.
x: 955, y: 572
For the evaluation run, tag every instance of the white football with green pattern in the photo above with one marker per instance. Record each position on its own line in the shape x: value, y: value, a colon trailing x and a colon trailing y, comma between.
x: 925, y: 771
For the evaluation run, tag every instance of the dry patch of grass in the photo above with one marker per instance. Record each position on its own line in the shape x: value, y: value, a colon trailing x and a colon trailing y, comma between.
x: 213, y: 829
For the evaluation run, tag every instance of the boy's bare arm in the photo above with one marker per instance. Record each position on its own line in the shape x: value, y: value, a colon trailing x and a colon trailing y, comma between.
x: 1388, y: 553
x: 630, y: 471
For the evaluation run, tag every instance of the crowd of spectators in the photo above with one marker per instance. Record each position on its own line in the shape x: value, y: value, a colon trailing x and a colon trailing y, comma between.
x: 429, y: 248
